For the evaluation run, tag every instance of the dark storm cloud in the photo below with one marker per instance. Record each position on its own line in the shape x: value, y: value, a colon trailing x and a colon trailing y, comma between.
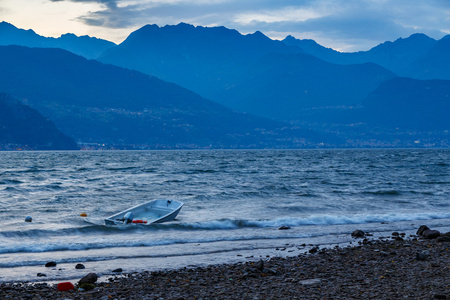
x: 112, y: 15
x: 119, y: 13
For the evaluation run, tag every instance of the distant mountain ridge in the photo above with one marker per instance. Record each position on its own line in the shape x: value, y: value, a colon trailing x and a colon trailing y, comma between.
x: 85, y: 46
x: 105, y: 104
x: 249, y: 73
x: 341, y: 95
x: 313, y: 86
x: 300, y: 87
x: 202, y: 59
x: 417, y: 56
x: 434, y: 65
x: 22, y: 127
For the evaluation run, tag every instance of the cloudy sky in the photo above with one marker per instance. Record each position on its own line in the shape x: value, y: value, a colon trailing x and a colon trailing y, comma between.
x: 345, y: 25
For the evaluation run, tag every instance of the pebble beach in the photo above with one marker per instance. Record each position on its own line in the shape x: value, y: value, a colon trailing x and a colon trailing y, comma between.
x: 394, y: 267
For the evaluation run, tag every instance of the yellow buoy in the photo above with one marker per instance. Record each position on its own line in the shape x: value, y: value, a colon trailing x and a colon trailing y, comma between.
x: 83, y: 215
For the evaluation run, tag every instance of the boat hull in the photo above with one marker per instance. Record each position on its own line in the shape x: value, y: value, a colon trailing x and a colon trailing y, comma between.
x: 155, y: 211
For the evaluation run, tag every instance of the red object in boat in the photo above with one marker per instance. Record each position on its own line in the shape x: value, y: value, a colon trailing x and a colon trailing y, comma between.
x: 139, y: 221
x: 65, y: 286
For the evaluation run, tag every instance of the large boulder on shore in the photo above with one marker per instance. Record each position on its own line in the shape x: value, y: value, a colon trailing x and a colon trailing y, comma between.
x: 89, y: 278
x: 421, y: 229
x: 428, y: 233
x: 431, y: 234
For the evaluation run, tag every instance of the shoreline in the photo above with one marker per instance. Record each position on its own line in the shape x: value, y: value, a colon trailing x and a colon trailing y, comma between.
x: 389, y: 268
x: 164, y: 258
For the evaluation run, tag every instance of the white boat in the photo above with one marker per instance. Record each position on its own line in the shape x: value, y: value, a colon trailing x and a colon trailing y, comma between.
x: 155, y: 211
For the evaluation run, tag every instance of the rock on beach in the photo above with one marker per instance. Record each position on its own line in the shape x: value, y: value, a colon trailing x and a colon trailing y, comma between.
x: 431, y: 234
x: 50, y: 264
x: 358, y: 234
x: 428, y: 233
x: 89, y: 278
x: 421, y: 229
x: 284, y: 227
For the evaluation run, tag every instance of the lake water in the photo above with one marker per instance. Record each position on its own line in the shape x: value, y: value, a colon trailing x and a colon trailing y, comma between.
x: 235, y: 201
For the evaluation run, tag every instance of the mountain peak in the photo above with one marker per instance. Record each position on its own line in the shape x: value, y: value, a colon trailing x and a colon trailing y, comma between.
x: 289, y: 38
x: 8, y: 26
x: 259, y: 34
x: 183, y: 25
x: 416, y: 38
x: 69, y: 35
x: 419, y: 37
x: 4, y: 24
x: 148, y: 28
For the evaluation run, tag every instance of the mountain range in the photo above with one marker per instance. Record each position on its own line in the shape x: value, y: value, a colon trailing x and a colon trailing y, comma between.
x: 97, y: 103
x: 417, y: 57
x: 264, y: 92
x: 249, y: 73
x: 24, y: 127
x: 85, y: 46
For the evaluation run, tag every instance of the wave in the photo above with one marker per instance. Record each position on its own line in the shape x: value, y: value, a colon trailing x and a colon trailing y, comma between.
x: 101, y: 236
x: 116, y: 251
x: 74, y: 231
x: 343, y: 220
x: 383, y: 193
x: 11, y: 181
x: 113, y: 242
x: 230, y: 224
x: 121, y: 168
x: 435, y: 182
x: 223, y: 224
x: 200, y: 171
x: 226, y: 224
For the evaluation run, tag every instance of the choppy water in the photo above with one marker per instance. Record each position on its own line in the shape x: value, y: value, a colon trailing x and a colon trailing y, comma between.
x: 235, y: 201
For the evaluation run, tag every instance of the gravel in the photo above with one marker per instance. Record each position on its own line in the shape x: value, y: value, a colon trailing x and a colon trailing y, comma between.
x: 388, y: 268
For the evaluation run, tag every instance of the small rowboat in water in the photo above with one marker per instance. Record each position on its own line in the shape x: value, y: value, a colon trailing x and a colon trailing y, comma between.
x: 155, y: 211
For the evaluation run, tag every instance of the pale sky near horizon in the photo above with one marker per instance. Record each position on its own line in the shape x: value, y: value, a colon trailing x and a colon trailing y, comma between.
x: 345, y: 25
